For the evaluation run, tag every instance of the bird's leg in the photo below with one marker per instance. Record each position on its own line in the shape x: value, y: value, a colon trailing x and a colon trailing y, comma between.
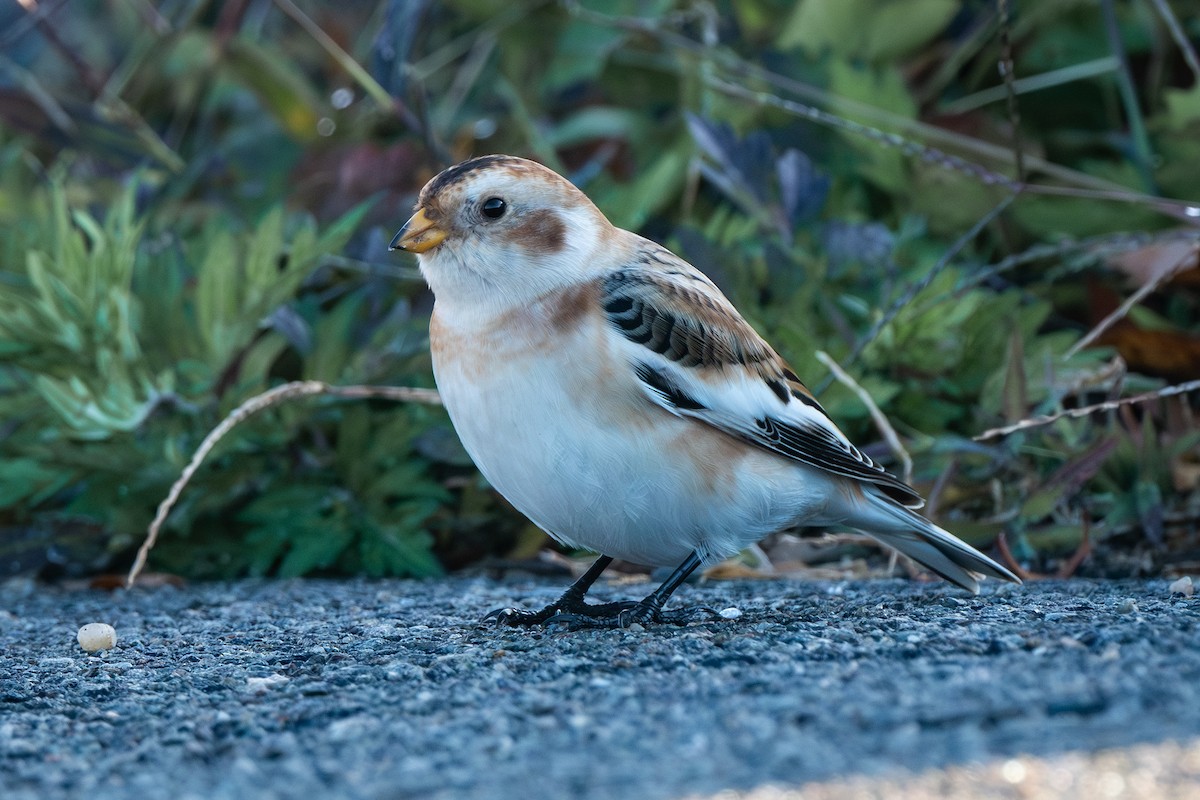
x: 647, y: 610
x: 571, y: 602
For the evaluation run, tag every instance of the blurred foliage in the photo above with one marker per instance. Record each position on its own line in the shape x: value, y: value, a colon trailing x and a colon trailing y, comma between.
x: 196, y: 199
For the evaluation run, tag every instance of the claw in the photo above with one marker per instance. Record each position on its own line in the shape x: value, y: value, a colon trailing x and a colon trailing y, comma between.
x: 644, y: 613
x: 512, y: 617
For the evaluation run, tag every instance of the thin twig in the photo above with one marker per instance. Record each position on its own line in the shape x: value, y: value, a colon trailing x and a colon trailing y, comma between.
x: 1006, y: 73
x: 401, y: 394
x: 986, y: 176
x: 1142, y: 291
x: 1181, y: 39
x: 1009, y: 561
x: 881, y: 422
x: 1032, y: 83
x: 1142, y: 152
x: 1075, y: 413
x: 933, y: 500
x: 1067, y: 569
x: 240, y: 414
x: 1102, y: 245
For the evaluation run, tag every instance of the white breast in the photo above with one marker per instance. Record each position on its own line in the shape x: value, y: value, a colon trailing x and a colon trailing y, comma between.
x: 562, y: 430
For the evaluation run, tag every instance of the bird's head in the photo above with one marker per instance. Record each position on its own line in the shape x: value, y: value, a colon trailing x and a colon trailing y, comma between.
x: 497, y: 231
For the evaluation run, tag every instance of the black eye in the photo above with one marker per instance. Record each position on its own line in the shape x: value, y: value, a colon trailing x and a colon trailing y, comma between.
x: 493, y: 208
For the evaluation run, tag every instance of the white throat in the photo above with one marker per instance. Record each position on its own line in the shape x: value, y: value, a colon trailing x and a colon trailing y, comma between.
x: 477, y: 280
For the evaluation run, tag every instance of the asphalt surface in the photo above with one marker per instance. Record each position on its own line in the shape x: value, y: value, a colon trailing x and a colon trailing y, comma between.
x: 390, y: 689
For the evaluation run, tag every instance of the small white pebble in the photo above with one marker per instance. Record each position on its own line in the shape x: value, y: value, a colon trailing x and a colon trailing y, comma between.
x: 1127, y: 606
x: 730, y: 613
x: 1183, y: 586
x: 97, y: 636
x: 1013, y: 771
x: 263, y: 684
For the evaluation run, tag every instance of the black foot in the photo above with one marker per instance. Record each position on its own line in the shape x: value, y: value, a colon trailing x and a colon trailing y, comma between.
x: 564, y: 606
x: 570, y: 610
x: 636, y: 614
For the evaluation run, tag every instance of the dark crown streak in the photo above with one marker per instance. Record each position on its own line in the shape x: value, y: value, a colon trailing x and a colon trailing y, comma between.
x: 460, y: 172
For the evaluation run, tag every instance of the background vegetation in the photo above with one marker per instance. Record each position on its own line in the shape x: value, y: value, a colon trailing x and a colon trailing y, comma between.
x: 196, y: 199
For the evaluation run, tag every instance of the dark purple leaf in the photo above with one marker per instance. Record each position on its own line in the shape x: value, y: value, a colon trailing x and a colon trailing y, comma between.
x: 291, y: 326
x: 801, y: 188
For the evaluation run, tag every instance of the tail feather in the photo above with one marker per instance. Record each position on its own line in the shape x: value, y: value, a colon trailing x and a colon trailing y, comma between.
x: 930, y: 546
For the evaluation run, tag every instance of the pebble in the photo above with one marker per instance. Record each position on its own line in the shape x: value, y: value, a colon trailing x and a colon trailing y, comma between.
x: 258, y: 684
x: 97, y: 636
x: 1182, y: 586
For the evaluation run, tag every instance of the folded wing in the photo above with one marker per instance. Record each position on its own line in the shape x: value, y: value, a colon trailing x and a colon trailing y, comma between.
x: 696, y: 357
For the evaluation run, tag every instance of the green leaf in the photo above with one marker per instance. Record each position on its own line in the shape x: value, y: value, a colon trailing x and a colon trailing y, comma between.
x: 886, y: 89
x: 29, y: 480
x: 876, y: 30
x: 1183, y: 109
x: 401, y: 550
x: 1016, y: 399
x: 630, y: 205
x: 314, y: 545
x: 338, y: 232
x: 581, y: 49
x: 598, y: 122
x: 333, y: 339
x: 1054, y: 538
x: 1149, y: 500
x: 217, y: 295
x: 1054, y: 217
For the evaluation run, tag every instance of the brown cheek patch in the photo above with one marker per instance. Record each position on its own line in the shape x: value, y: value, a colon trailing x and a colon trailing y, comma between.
x: 540, y: 232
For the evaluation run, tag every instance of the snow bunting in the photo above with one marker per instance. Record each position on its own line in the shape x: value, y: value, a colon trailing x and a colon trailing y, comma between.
x: 613, y: 394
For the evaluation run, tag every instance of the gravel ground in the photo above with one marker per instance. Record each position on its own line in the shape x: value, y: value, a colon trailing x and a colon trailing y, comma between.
x: 389, y: 689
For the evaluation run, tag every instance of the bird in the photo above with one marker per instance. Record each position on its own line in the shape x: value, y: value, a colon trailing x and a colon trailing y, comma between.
x: 614, y: 396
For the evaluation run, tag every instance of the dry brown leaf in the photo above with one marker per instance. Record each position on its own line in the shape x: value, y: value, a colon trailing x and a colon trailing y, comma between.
x: 1150, y: 264
x: 733, y: 570
x: 1185, y: 473
x: 1168, y: 354
x: 111, y: 581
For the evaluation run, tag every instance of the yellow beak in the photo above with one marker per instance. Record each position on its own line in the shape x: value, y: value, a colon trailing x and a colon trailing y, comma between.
x: 418, y: 234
